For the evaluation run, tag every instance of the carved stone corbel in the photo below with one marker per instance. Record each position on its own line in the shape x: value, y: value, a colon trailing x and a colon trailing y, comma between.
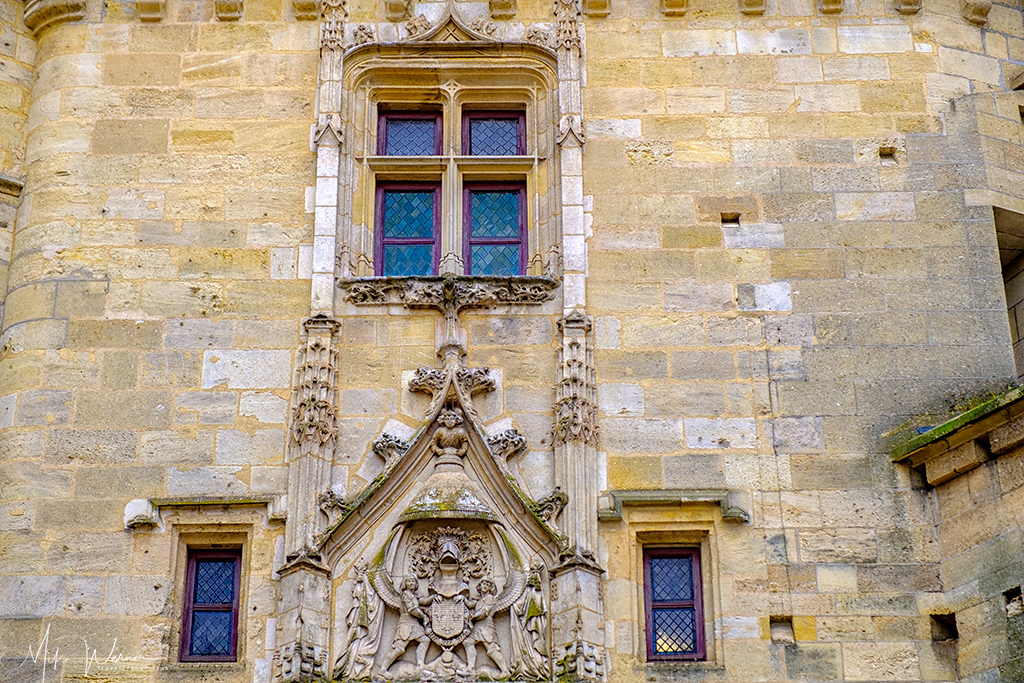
x: 150, y: 10
x: 40, y: 14
x: 501, y: 9
x: 752, y: 8
x: 830, y: 6
x: 976, y: 11
x: 390, y: 449
x: 228, y: 10
x: 674, y: 8
x: 597, y: 8
x: 396, y: 10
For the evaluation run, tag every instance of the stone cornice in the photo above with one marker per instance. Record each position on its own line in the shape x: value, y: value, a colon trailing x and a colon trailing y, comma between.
x: 40, y: 14
x: 462, y: 291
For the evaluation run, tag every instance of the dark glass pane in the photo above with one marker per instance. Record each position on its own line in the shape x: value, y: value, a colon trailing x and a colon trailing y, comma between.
x: 215, y: 582
x: 671, y: 579
x: 494, y: 137
x: 408, y: 259
x: 410, y: 137
x: 494, y: 259
x: 409, y: 214
x: 674, y: 631
x: 211, y: 634
x: 495, y: 214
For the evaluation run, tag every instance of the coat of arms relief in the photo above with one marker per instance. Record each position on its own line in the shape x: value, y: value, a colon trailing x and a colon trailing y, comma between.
x: 448, y: 596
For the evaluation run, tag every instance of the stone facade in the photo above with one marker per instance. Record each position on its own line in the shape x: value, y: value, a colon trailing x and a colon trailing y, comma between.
x: 765, y: 242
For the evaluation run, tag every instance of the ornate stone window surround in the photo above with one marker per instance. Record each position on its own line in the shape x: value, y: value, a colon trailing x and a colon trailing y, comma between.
x: 491, y: 77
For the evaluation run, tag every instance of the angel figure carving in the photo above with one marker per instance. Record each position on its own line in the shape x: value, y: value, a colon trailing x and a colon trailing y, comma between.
x: 483, y: 628
x: 411, y: 623
x: 529, y: 630
x: 364, y: 622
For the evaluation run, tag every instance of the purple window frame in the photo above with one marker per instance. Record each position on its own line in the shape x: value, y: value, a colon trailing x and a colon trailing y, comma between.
x: 697, y: 604
x: 378, y: 247
x: 468, y: 116
x: 382, y: 127
x: 467, y: 222
x: 190, y: 606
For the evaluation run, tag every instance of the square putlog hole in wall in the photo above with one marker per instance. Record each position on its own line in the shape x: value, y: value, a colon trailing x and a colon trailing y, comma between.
x: 944, y: 627
x: 730, y: 220
x: 781, y: 630
x: 887, y: 155
x: 1013, y: 602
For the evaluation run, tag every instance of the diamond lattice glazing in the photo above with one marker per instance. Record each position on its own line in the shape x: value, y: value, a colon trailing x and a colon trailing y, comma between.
x: 671, y: 579
x: 408, y: 214
x: 495, y: 214
x: 494, y: 137
x: 211, y: 634
x: 495, y: 259
x: 408, y: 259
x: 215, y: 582
x: 674, y: 631
x: 410, y: 137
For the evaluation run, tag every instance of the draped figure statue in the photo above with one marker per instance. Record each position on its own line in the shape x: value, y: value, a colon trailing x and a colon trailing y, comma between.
x: 364, y: 621
x: 530, y: 628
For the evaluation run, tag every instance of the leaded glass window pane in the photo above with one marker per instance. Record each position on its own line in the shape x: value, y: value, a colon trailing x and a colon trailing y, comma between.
x: 495, y: 259
x: 408, y: 259
x: 674, y: 631
x: 211, y: 634
x: 409, y: 214
x: 411, y: 137
x: 494, y: 137
x: 495, y: 214
x: 215, y: 582
x: 671, y: 579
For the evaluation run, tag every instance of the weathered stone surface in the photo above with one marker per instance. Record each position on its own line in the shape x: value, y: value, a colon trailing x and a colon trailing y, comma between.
x: 246, y: 369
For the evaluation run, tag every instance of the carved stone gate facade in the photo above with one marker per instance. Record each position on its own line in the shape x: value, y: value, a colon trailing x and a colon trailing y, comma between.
x: 255, y: 429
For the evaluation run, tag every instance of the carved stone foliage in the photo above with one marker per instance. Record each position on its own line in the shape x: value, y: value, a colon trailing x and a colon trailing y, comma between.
x: 549, y: 507
x: 417, y: 25
x: 363, y: 34
x: 576, y: 405
x: 303, y: 661
x: 538, y: 35
x: 580, y: 661
x: 448, y: 291
x: 976, y: 11
x: 390, y: 449
x: 313, y: 422
x: 507, y: 444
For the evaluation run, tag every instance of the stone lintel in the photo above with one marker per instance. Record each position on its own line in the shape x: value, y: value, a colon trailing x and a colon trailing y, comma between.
x: 145, y: 512
x: 735, y: 507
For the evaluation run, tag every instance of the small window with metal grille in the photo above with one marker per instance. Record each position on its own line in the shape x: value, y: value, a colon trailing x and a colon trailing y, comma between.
x: 210, y: 621
x: 673, y: 606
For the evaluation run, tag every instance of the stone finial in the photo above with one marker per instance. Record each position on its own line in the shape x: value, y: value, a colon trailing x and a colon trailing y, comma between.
x: 228, y: 10
x: 976, y: 11
x: 150, y: 10
x: 674, y: 8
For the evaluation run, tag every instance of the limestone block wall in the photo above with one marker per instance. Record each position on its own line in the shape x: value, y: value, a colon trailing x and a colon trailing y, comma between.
x: 159, y: 272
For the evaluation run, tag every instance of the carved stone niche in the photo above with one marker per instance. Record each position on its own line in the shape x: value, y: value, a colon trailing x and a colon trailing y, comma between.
x: 453, y: 582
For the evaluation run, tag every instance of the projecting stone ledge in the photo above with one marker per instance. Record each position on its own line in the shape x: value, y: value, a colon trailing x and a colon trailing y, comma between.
x: 42, y: 13
x: 735, y: 504
x: 968, y: 440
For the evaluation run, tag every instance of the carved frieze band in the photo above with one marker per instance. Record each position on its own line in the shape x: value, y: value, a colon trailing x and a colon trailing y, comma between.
x: 444, y: 292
